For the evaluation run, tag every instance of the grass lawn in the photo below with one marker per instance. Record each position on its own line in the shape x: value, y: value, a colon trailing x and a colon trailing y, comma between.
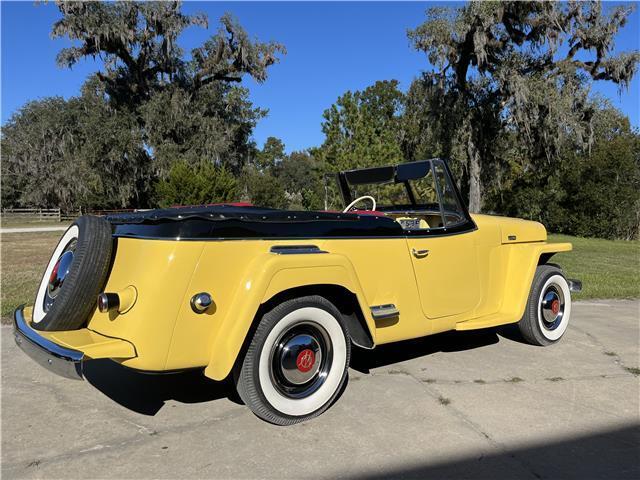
x: 608, y: 269
x: 24, y: 258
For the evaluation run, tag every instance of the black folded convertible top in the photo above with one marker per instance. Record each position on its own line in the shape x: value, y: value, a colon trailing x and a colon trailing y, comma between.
x: 228, y: 222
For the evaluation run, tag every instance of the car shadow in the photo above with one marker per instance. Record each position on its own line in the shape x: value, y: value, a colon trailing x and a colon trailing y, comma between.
x: 511, y: 332
x: 146, y: 393
x: 384, y: 355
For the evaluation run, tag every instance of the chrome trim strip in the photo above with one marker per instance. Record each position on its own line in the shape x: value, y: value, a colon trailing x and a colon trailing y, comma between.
x: 382, y: 312
x: 574, y: 285
x: 62, y: 361
x: 295, y: 249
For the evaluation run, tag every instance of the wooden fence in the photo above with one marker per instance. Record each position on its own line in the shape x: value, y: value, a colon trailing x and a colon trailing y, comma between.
x: 32, y: 214
x: 29, y: 215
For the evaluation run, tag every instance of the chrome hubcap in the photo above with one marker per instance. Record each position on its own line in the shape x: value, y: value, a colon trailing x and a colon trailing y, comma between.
x: 300, y: 360
x: 59, y: 274
x: 552, y: 307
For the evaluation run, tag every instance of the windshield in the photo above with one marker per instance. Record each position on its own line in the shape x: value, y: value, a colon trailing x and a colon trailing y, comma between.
x: 424, y: 187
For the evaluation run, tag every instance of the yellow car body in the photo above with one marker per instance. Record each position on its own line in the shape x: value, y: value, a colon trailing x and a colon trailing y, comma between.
x: 472, y: 280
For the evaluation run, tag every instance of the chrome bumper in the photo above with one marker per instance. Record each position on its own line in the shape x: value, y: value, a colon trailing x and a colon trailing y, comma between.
x: 53, y: 357
x: 574, y: 285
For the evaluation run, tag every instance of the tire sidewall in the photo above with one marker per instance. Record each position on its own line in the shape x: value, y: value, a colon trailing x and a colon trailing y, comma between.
x: 272, y: 405
x: 549, y: 275
x: 555, y: 334
x: 39, y: 315
x: 87, y: 275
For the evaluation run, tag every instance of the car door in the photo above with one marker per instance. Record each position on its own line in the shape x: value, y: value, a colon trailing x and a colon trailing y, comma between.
x: 446, y: 271
x: 444, y: 255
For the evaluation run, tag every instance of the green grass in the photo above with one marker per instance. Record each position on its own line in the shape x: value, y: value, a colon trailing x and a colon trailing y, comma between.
x: 607, y: 268
x: 24, y: 258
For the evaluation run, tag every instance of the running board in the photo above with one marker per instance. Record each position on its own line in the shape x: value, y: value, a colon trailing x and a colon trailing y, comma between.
x: 382, y: 312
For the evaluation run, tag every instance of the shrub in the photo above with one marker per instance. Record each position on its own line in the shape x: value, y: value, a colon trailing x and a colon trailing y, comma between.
x: 196, y: 185
x: 264, y: 190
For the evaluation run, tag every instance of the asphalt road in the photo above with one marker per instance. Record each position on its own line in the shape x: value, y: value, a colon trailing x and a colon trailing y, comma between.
x: 473, y: 404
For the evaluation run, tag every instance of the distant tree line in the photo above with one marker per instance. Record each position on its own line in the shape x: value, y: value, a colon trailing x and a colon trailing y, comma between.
x: 147, y: 112
x: 506, y: 99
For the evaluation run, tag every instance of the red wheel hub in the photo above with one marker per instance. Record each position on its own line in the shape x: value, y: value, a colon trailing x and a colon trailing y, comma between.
x: 54, y: 272
x: 555, y: 307
x: 306, y: 359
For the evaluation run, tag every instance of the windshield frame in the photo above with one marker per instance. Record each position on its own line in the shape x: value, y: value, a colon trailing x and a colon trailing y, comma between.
x: 403, y: 174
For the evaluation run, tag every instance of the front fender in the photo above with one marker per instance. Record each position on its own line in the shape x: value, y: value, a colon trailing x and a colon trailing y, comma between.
x: 522, y: 264
x: 522, y: 260
x: 267, y: 275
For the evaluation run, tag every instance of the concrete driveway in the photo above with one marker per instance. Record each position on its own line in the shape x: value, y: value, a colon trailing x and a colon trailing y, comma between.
x: 474, y: 404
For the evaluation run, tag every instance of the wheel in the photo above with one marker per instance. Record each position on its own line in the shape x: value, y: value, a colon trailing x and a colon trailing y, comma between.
x: 548, y: 309
x: 297, y: 361
x: 75, y: 275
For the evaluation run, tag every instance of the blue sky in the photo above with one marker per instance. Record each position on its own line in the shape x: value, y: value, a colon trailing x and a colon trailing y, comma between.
x: 332, y: 48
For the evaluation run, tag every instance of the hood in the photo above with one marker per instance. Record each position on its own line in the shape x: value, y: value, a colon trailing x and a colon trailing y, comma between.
x: 514, y: 230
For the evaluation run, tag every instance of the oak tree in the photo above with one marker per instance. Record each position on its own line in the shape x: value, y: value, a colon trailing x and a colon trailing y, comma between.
x: 521, y: 66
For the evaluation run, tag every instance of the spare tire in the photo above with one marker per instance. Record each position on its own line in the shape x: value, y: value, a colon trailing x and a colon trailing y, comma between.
x: 75, y: 275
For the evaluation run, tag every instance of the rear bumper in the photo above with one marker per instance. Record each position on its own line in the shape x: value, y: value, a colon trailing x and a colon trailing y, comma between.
x: 60, y: 360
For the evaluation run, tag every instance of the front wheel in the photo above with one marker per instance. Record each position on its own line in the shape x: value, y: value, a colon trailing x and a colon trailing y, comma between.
x: 548, y: 309
x: 297, y: 361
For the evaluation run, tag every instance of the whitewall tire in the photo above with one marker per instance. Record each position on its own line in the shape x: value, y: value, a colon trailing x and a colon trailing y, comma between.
x: 296, y: 364
x: 75, y: 275
x: 66, y: 244
x: 548, y: 309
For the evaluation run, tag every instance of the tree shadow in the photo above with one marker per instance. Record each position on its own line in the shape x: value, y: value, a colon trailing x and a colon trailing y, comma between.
x: 147, y: 393
x: 364, y: 360
x: 605, y: 454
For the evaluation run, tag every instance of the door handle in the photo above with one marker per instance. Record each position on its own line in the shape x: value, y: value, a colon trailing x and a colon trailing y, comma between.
x: 419, y: 253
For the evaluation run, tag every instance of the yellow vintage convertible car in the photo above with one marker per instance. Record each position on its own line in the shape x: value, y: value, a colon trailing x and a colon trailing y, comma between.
x: 276, y: 299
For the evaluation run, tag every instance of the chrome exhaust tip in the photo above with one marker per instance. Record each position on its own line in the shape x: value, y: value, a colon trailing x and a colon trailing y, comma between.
x: 108, y: 302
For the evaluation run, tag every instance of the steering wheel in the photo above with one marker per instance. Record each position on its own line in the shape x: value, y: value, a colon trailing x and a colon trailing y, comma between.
x: 359, y: 199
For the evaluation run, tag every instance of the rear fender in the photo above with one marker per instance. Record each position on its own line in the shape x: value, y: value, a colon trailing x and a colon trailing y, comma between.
x: 266, y: 276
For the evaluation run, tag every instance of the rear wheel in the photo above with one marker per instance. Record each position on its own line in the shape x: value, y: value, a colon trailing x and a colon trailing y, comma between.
x: 75, y: 275
x: 548, y: 309
x: 296, y: 363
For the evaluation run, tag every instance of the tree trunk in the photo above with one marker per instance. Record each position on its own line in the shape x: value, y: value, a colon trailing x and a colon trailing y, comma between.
x: 475, y: 186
